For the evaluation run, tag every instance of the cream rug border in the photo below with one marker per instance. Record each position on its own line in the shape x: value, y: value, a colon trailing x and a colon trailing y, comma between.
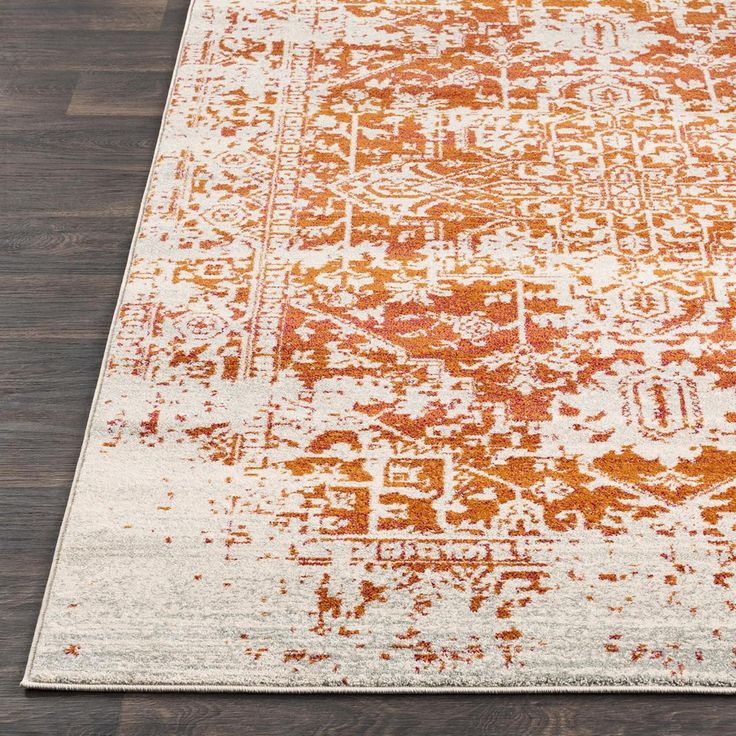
x: 30, y: 684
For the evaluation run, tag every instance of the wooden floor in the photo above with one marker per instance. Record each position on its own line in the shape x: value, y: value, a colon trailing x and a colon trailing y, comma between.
x: 82, y: 88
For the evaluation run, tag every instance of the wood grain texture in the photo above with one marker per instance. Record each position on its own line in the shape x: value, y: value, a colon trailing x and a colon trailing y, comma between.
x: 119, y: 93
x: 103, y: 50
x: 71, y: 180
x: 81, y: 15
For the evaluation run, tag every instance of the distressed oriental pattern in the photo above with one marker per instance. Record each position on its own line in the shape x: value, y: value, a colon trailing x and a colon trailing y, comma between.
x: 424, y: 373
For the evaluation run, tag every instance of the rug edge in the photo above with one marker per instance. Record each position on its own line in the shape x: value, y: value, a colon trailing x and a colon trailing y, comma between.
x: 108, y: 345
x: 30, y: 684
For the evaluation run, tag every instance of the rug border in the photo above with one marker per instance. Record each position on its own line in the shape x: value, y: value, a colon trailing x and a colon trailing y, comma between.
x: 26, y: 681
x: 30, y: 684
x: 387, y: 690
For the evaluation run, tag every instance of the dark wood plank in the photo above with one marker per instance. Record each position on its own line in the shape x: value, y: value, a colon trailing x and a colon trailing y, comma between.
x: 120, y: 93
x: 107, y: 143
x: 30, y: 93
x: 65, y: 245
x: 400, y: 715
x: 78, y: 15
x: 94, y: 51
x: 42, y: 416
x: 43, y: 191
x: 174, y: 17
x: 82, y: 88
x: 46, y: 306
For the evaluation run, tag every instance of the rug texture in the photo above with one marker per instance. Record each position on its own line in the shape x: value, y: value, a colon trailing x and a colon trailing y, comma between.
x: 423, y: 374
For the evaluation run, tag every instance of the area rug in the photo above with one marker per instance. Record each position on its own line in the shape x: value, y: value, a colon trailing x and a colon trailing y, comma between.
x: 423, y: 375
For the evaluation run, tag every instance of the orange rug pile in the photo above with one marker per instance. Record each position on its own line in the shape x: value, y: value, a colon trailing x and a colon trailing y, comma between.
x: 423, y: 375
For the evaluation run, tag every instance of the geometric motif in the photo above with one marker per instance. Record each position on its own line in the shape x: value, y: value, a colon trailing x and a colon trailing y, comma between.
x: 424, y: 371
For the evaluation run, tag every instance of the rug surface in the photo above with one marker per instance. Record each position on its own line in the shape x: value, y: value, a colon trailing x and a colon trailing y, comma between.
x: 424, y: 369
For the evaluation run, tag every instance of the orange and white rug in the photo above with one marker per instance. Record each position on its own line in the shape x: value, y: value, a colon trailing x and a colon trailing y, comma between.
x: 424, y: 370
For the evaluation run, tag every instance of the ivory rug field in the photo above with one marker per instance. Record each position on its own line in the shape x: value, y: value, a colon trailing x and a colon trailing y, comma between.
x: 423, y: 374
